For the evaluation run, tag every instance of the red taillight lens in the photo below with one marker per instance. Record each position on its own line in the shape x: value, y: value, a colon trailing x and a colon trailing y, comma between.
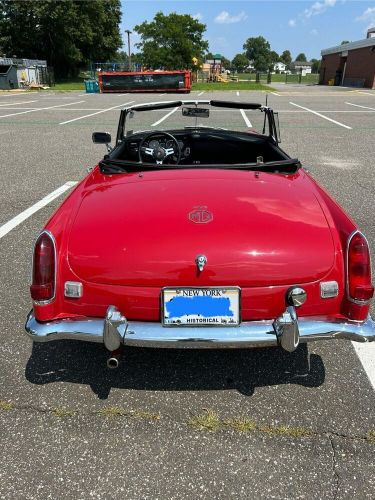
x: 359, y: 269
x: 43, y: 283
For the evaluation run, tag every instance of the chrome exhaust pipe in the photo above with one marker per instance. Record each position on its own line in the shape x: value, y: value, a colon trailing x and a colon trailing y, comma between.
x: 114, y: 360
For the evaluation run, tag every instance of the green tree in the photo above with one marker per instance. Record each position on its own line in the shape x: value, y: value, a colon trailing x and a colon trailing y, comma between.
x: 170, y: 42
x: 301, y: 57
x: 258, y: 50
x: 274, y: 57
x: 286, y: 57
x: 67, y: 33
x: 315, y: 67
x: 225, y: 63
x: 240, y: 62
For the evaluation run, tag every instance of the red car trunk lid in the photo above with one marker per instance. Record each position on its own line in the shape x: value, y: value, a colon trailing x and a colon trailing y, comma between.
x: 254, y: 231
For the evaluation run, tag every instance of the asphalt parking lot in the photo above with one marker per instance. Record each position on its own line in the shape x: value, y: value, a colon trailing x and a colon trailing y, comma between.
x: 72, y: 429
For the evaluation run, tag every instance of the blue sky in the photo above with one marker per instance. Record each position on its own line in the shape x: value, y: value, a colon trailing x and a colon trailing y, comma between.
x: 298, y: 25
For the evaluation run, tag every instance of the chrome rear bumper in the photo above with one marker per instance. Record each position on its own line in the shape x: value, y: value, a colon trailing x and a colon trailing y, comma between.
x: 114, y: 330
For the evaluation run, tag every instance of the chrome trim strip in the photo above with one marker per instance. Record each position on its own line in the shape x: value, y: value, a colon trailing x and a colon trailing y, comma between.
x: 49, y: 301
x: 356, y: 301
x: 246, y: 335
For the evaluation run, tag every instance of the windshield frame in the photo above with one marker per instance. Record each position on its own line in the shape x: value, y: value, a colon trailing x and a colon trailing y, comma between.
x: 269, y: 117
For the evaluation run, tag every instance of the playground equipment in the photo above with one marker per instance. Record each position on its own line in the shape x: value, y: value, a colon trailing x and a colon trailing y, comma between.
x: 213, y: 70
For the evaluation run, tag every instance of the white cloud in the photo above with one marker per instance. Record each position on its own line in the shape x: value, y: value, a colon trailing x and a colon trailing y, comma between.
x: 314, y: 32
x: 319, y: 8
x: 225, y: 18
x: 368, y: 16
x: 198, y: 16
x: 292, y: 23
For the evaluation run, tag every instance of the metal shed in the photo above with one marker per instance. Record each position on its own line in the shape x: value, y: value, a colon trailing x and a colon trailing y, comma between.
x: 21, y: 73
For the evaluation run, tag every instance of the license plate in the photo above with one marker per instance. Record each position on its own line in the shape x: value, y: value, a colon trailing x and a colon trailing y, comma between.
x: 219, y: 306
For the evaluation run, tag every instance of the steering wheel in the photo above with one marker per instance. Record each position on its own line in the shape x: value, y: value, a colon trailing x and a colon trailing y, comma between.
x: 159, y: 154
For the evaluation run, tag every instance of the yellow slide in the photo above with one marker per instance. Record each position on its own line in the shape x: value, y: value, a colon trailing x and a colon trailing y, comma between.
x: 221, y: 79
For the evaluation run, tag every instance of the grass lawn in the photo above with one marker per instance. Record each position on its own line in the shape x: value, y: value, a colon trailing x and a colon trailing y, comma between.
x: 231, y: 86
x: 78, y: 84
x: 309, y: 78
x: 73, y: 84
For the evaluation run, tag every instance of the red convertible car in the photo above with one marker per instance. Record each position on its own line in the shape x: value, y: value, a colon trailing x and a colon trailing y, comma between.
x: 199, y: 236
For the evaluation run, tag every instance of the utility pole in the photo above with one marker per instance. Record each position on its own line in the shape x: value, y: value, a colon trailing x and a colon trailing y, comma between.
x: 129, y: 54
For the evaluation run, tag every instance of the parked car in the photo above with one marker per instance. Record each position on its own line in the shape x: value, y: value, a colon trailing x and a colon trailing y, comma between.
x: 199, y: 236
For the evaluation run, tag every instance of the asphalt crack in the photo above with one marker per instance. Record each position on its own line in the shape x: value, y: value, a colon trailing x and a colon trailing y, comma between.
x: 336, y: 475
x: 114, y: 412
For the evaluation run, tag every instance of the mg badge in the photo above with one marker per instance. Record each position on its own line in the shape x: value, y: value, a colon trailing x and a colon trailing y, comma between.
x: 200, y: 215
x: 201, y: 261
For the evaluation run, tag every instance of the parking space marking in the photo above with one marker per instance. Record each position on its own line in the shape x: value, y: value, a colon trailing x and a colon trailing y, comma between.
x: 164, y: 117
x: 19, y: 94
x: 247, y: 121
x: 8, y: 226
x: 97, y: 113
x: 358, y: 106
x: 238, y: 94
x: 321, y: 116
x: 366, y: 355
x: 15, y: 103
x: 201, y: 93
x: 275, y: 93
x: 40, y: 109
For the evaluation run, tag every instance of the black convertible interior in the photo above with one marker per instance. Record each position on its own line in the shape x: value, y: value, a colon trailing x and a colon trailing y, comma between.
x: 200, y: 147
x: 197, y: 146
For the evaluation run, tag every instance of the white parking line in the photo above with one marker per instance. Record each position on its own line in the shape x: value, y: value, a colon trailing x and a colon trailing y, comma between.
x: 164, y: 117
x: 201, y: 93
x: 40, y: 109
x: 321, y: 116
x: 238, y: 94
x: 161, y: 95
x: 18, y: 94
x: 15, y: 103
x: 366, y: 355
x: 247, y: 121
x: 358, y: 106
x: 8, y: 226
x: 275, y: 93
x: 97, y: 113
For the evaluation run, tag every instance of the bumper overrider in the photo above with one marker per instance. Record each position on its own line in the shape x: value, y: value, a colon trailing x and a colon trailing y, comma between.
x: 286, y: 331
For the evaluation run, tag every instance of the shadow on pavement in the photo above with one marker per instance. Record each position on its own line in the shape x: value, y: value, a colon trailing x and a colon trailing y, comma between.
x: 172, y: 369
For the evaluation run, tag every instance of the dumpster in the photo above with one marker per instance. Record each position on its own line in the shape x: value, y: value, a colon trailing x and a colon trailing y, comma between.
x: 92, y: 87
x: 145, y: 81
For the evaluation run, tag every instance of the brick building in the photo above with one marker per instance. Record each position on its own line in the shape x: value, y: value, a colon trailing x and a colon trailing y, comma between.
x: 350, y: 64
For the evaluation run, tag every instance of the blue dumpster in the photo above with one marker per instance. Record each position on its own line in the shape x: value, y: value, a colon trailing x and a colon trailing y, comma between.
x: 92, y: 87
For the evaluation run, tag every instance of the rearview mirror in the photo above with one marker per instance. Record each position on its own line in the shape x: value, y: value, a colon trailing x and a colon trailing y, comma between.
x: 196, y: 112
x: 101, y: 137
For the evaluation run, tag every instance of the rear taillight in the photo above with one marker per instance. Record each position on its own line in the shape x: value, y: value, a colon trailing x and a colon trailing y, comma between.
x: 44, y: 269
x: 360, y: 289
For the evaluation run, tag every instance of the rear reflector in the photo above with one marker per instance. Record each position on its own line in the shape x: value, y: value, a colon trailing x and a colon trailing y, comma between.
x: 44, y: 268
x: 329, y: 289
x: 73, y: 289
x: 360, y: 288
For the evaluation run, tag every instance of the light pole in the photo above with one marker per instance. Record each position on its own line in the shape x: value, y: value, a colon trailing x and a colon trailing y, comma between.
x: 129, y: 54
